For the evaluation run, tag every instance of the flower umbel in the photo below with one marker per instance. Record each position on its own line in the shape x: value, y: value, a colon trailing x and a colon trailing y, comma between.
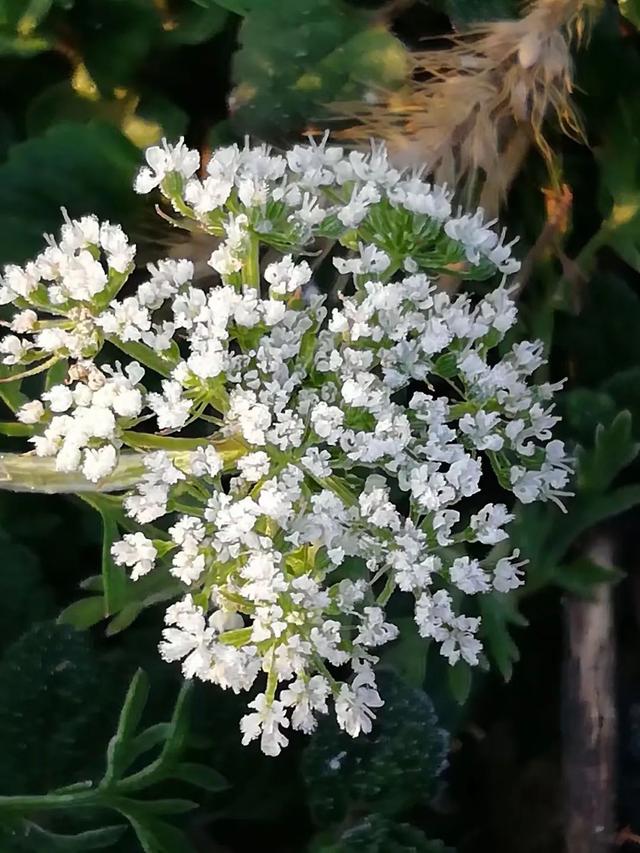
x: 339, y: 454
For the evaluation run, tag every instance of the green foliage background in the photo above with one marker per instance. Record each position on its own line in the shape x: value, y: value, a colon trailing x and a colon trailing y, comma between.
x: 85, y: 85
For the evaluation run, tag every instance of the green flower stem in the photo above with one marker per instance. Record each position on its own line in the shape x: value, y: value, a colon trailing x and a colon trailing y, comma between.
x: 252, y: 265
x: 51, y: 802
x: 25, y: 473
x: 387, y: 591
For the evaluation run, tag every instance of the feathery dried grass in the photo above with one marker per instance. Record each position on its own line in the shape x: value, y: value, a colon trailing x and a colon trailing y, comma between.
x: 472, y: 109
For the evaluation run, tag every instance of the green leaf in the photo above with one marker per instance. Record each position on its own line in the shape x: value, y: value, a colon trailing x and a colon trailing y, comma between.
x: 145, y: 355
x: 178, y: 726
x: 116, y: 38
x: 93, y: 839
x: 498, y: 612
x: 586, y: 512
x: 631, y: 10
x: 10, y: 393
x: 114, y: 577
x: 466, y: 12
x: 623, y: 389
x: 197, y: 22
x: 155, y: 836
x: 83, y: 167
x: 614, y: 449
x: 340, y: 52
x: 148, y: 739
x: 118, y: 752
x: 619, y: 161
x: 460, y: 679
x: 83, y: 614
x: 201, y: 776
x: 582, y: 575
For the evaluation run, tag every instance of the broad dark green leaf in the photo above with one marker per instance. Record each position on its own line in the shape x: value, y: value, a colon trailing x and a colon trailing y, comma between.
x: 84, y: 613
x: 463, y: 13
x: 631, y: 10
x: 87, y: 168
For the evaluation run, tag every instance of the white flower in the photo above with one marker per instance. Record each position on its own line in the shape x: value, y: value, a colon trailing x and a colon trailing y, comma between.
x: 171, y: 408
x: 190, y: 640
x: 254, y: 466
x: 305, y: 698
x: 31, y: 412
x: 206, y: 462
x: 135, y: 551
x: 99, y: 463
x: 265, y: 724
x: 507, y: 574
x: 286, y: 277
x: 489, y: 522
x: 354, y: 703
x: 468, y: 576
x: 373, y: 630
x: 162, y: 161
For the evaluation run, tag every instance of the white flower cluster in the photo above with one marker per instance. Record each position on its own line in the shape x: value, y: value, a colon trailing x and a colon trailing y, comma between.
x: 348, y: 447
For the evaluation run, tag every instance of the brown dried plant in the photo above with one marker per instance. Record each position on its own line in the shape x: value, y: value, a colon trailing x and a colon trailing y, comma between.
x: 472, y: 109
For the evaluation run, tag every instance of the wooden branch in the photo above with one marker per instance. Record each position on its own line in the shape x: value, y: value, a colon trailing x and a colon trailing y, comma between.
x: 589, y: 716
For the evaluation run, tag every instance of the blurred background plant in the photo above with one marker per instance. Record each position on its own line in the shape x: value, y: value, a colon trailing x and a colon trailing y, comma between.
x: 528, y: 108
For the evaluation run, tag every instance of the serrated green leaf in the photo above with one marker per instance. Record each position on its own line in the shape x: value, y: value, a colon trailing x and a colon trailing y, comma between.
x: 614, y: 449
x: 498, y: 612
x: 118, y: 754
x: 582, y: 575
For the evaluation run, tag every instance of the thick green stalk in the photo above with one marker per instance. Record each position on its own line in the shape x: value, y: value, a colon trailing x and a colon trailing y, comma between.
x: 21, y: 472
x: 252, y: 265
